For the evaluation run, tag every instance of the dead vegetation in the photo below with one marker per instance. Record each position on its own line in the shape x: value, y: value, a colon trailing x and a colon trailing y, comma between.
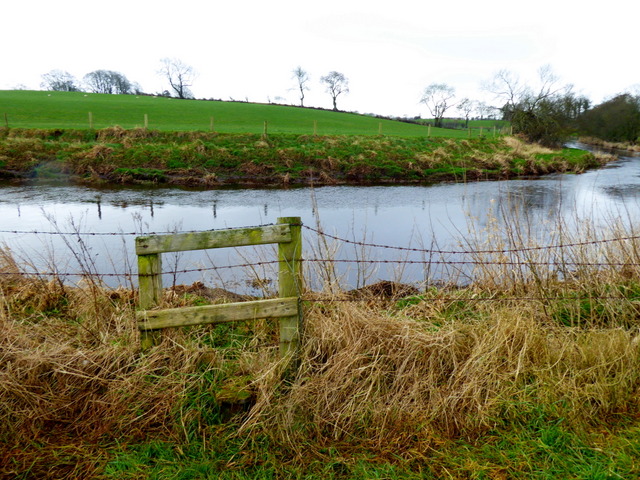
x: 386, y: 369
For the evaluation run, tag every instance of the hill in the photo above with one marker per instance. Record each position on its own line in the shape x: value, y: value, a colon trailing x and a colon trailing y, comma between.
x: 72, y: 110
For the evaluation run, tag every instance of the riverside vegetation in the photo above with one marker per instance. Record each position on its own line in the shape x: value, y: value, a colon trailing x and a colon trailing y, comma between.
x: 116, y: 155
x: 97, y: 138
x: 530, y: 372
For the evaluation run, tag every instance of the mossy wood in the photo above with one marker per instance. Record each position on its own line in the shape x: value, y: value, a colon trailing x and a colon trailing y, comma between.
x: 287, y: 234
x: 236, y: 237
x: 290, y: 283
x: 209, y: 314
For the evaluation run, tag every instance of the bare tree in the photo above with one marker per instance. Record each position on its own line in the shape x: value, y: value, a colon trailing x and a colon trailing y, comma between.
x: 466, y: 106
x: 485, y: 110
x: 59, y: 81
x: 542, y: 112
x: 507, y: 88
x: 302, y: 78
x: 438, y: 99
x: 179, y: 75
x: 108, y: 81
x: 337, y: 84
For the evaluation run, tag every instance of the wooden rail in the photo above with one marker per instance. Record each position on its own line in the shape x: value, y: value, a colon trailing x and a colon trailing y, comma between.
x: 287, y: 234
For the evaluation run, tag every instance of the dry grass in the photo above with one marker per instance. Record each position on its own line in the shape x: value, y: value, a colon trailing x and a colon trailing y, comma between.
x: 520, y: 147
x: 399, y: 384
x: 383, y: 376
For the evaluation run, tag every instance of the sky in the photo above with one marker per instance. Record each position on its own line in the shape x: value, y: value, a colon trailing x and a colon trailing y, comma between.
x: 389, y: 50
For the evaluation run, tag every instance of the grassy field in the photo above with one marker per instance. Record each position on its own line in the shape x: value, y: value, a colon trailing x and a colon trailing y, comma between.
x: 70, y: 110
x: 518, y: 376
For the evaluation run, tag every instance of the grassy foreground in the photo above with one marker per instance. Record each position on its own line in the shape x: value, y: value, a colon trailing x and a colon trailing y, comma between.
x: 521, y: 375
x: 202, y: 159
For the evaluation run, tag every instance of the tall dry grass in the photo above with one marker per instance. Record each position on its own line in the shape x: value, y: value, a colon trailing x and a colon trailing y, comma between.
x: 399, y: 383
x: 536, y: 338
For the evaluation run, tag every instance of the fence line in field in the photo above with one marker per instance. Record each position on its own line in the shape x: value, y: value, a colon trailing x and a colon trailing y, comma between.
x: 479, y: 131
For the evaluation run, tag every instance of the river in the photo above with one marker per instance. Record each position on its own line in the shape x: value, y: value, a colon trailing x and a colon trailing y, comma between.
x: 443, y: 217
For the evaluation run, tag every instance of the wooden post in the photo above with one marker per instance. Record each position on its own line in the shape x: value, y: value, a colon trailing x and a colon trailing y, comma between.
x: 6, y: 121
x: 428, y: 130
x: 211, y: 124
x: 379, y: 128
x: 480, y: 131
x: 287, y: 234
x: 290, y: 283
x: 90, y: 121
x: 146, y: 121
x: 494, y: 131
x: 150, y: 292
x: 469, y: 132
x: 315, y: 128
x: 264, y: 130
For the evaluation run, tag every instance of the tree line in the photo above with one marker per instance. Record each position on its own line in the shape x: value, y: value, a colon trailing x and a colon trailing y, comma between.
x: 544, y: 111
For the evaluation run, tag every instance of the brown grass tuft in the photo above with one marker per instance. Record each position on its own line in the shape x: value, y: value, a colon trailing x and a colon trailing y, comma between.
x: 394, y: 384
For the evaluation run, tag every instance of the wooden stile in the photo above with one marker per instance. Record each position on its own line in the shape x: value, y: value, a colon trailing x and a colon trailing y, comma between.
x: 287, y: 234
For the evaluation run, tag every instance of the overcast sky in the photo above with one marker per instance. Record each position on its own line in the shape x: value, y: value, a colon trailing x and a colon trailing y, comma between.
x: 390, y: 51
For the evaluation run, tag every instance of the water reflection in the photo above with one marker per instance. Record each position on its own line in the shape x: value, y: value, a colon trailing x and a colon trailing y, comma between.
x: 440, y: 216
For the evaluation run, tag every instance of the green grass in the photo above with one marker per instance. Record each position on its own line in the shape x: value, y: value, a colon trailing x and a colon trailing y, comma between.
x: 541, y: 449
x: 70, y: 110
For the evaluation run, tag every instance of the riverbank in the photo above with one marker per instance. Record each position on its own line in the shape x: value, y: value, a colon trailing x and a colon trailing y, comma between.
x: 210, y: 160
x: 520, y: 375
x: 610, y: 146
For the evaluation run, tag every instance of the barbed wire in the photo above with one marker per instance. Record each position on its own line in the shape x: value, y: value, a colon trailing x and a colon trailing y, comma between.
x: 364, y: 298
x: 120, y: 234
x: 132, y: 274
x: 327, y: 261
x: 477, y: 262
x: 340, y: 239
x: 471, y: 252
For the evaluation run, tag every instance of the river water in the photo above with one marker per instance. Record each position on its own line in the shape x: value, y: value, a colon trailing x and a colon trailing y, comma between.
x: 101, y: 223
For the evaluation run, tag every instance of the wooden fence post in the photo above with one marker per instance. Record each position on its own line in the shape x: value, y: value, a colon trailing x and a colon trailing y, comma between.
x: 90, y: 121
x: 290, y: 283
x: 150, y: 292
x: 287, y: 309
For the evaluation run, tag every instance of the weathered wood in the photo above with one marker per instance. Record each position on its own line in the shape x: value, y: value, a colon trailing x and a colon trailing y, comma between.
x: 236, y: 237
x: 290, y: 283
x: 150, y: 291
x: 287, y: 233
x: 230, y: 312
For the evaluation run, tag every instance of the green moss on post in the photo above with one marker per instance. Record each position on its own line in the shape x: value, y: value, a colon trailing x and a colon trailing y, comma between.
x: 290, y: 283
x: 150, y: 291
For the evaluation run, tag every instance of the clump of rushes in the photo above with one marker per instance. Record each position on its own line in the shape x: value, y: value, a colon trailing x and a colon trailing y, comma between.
x: 185, y: 158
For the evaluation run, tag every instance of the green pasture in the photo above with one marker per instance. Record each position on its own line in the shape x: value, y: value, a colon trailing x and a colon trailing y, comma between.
x: 73, y: 110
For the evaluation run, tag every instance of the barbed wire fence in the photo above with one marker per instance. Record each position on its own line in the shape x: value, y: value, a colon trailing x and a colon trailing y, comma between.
x: 471, y: 258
